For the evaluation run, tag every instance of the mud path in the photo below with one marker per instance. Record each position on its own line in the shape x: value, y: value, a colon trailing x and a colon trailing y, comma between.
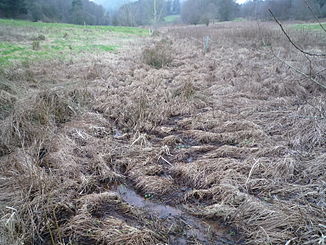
x: 190, y: 229
x: 126, y: 174
x: 141, y: 171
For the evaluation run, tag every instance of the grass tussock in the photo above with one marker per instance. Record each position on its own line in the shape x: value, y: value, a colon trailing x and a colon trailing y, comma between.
x: 88, y: 226
x: 30, y: 116
x: 27, y: 119
x: 158, y: 56
x: 309, y: 125
x: 86, y: 230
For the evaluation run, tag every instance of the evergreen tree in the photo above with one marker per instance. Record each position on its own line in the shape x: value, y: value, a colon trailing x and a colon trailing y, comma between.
x: 226, y: 9
x: 77, y: 15
x: 12, y: 8
x: 77, y: 4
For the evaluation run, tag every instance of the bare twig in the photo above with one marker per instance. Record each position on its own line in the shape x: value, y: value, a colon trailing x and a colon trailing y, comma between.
x: 298, y: 71
x: 312, y: 12
x: 166, y: 161
x: 290, y: 40
x: 320, y: 71
x: 250, y: 172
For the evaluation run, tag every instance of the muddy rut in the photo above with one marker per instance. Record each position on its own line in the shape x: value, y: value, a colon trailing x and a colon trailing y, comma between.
x: 147, y: 186
x: 195, y: 152
x: 210, y: 149
x: 192, y: 228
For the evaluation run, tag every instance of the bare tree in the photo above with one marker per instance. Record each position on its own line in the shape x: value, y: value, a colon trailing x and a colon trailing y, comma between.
x: 313, y: 76
x: 158, y: 9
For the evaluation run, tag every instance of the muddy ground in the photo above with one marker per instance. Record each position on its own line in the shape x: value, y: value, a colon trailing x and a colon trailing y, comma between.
x: 218, y: 147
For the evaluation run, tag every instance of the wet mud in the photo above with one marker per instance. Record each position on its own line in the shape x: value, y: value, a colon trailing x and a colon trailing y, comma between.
x: 184, y: 228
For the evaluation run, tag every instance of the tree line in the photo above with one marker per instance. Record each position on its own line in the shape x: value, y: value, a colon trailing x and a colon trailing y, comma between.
x: 149, y: 12
x: 134, y: 13
x: 67, y: 11
x: 145, y: 12
x: 284, y: 9
x: 202, y: 11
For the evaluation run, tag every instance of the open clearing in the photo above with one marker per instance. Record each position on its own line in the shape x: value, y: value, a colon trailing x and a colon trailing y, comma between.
x: 25, y: 41
x: 221, y: 145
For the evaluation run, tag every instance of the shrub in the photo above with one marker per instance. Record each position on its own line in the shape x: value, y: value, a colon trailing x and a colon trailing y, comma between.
x: 40, y: 37
x: 159, y: 55
x: 36, y: 45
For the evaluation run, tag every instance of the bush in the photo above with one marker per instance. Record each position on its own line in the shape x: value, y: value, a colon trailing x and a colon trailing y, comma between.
x: 36, y: 45
x: 159, y: 55
x: 41, y: 37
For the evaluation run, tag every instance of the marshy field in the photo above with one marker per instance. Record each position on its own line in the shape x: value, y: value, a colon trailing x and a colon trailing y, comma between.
x: 185, y: 135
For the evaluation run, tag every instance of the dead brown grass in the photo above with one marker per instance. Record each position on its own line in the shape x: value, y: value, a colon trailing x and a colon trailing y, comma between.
x: 230, y: 135
x: 249, y: 33
x: 158, y: 56
x: 89, y: 225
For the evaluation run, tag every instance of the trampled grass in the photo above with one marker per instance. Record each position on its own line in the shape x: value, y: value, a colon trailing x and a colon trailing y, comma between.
x: 61, y: 40
x: 218, y: 147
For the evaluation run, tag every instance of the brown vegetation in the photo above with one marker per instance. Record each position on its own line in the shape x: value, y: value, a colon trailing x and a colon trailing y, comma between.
x: 159, y: 55
x: 231, y: 136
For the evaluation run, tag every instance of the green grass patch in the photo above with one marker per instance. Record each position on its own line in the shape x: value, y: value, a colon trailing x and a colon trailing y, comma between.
x: 8, y: 48
x: 94, y: 47
x: 10, y: 52
x: 171, y: 18
x: 310, y: 26
x: 105, y: 48
x: 239, y: 20
x: 61, y: 40
x: 117, y: 29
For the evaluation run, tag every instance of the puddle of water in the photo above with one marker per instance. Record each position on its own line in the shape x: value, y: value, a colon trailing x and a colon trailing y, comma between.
x: 206, y: 232
x: 178, y: 241
x: 131, y: 197
x: 190, y: 159
x: 117, y: 133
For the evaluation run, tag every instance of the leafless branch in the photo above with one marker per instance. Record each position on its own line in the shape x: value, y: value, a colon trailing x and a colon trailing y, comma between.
x: 290, y: 40
x: 312, y: 12
x: 320, y: 71
x: 298, y: 71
